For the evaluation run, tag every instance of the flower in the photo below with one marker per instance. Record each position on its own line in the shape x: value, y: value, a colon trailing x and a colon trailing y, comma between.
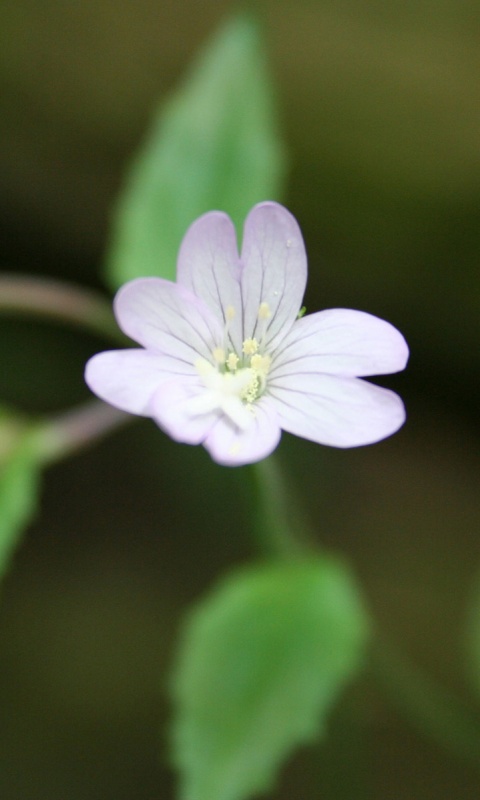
x: 228, y: 361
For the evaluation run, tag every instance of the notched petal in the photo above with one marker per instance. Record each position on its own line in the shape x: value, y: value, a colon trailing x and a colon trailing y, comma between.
x: 233, y: 447
x: 167, y: 318
x: 274, y: 272
x: 209, y: 266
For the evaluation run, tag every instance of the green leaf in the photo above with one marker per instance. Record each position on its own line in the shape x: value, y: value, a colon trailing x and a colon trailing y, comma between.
x: 20, y: 465
x: 214, y: 145
x: 262, y: 662
x: 472, y: 636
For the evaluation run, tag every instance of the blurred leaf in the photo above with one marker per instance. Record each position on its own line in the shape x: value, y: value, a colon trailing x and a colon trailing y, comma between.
x: 473, y: 637
x: 214, y: 145
x: 262, y: 662
x: 20, y: 464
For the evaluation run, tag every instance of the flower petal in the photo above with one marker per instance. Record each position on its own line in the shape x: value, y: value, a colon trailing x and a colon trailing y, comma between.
x: 167, y: 318
x: 128, y: 379
x: 275, y: 271
x: 183, y: 409
x: 233, y: 447
x: 340, y: 412
x: 341, y: 341
x: 209, y: 266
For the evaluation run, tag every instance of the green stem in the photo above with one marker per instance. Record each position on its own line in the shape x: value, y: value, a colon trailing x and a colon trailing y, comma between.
x: 281, y: 530
x: 72, y: 431
x: 430, y: 709
x: 280, y: 526
x: 49, y: 299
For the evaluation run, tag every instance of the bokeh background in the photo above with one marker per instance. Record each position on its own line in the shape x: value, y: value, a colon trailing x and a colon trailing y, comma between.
x: 380, y: 106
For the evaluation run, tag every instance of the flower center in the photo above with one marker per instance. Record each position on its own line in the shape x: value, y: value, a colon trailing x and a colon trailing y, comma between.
x: 236, y: 381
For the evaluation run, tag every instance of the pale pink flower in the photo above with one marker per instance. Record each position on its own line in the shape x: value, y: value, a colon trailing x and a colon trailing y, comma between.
x: 226, y: 361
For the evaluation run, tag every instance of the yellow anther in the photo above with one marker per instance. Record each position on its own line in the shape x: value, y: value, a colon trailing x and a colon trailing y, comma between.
x: 204, y: 367
x: 229, y: 313
x: 260, y: 363
x: 219, y: 355
x: 250, y: 392
x: 250, y: 347
x: 264, y: 311
x: 232, y: 362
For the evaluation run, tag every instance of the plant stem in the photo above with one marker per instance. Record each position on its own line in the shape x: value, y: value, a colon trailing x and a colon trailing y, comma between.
x: 55, y: 300
x: 430, y: 709
x: 72, y: 431
x: 280, y: 526
x: 281, y: 531
x: 66, y: 433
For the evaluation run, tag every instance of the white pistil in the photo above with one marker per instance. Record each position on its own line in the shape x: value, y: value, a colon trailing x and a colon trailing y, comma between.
x: 234, y: 383
x: 225, y: 391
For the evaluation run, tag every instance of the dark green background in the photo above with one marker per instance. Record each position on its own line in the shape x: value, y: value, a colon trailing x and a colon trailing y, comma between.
x: 380, y: 106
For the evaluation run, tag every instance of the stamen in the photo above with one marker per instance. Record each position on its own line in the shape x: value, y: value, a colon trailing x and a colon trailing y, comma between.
x: 260, y: 363
x: 250, y: 347
x: 229, y: 316
x: 232, y: 362
x: 250, y: 392
x: 203, y: 367
x: 264, y: 311
x: 219, y: 355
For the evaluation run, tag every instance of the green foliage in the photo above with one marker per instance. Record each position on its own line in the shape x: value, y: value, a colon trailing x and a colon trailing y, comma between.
x: 473, y: 637
x: 214, y: 145
x: 262, y: 662
x: 20, y: 464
